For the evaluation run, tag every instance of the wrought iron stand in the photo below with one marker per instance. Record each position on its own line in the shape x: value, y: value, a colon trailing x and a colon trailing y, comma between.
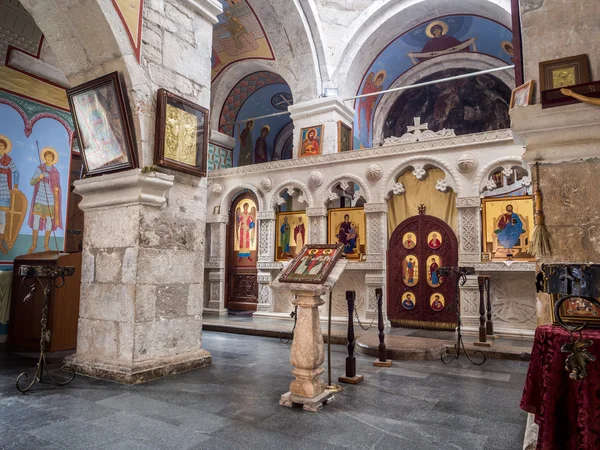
x: 46, y: 277
x: 458, y: 275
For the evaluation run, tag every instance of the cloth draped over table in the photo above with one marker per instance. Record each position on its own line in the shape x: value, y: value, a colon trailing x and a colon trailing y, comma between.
x: 439, y: 204
x: 5, y: 291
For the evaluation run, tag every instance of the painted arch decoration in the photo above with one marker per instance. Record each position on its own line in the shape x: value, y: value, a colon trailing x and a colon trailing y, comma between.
x: 237, y: 36
x: 130, y: 12
x: 432, y: 39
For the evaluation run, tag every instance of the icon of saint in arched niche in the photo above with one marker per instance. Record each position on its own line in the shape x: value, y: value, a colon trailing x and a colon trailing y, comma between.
x: 433, y: 264
x: 410, y: 270
x: 409, y: 300
x: 409, y: 241
x: 437, y: 302
x: 434, y: 240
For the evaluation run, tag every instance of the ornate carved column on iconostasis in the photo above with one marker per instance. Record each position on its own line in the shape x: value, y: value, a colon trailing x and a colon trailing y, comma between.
x: 469, y: 253
x: 373, y: 283
x: 217, y: 230
x: 266, y: 254
x: 328, y: 112
x: 317, y: 225
x: 376, y: 215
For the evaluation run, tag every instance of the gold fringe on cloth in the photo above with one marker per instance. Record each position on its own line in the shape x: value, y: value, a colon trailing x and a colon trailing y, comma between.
x: 540, y: 239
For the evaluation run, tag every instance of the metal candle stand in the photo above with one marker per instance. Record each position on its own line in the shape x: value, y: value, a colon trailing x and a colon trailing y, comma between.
x: 351, y: 376
x: 51, y: 275
x: 458, y: 275
x: 382, y: 360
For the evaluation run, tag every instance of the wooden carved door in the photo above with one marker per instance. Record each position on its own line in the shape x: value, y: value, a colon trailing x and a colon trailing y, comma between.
x: 416, y: 297
x: 242, y: 285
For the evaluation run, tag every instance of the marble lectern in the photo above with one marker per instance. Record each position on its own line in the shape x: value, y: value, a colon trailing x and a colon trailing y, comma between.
x: 308, y: 389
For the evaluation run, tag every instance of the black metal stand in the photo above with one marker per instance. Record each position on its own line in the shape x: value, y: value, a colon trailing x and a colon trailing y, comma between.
x: 458, y: 275
x: 351, y: 376
x: 282, y: 338
x: 50, y: 274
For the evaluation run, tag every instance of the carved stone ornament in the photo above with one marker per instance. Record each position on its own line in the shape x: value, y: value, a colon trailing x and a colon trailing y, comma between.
x: 466, y: 163
x: 315, y: 179
x: 507, y: 172
x: 526, y: 181
x: 419, y: 172
x: 491, y: 185
x: 266, y: 184
x: 398, y: 189
x: 441, y: 185
x: 374, y: 172
x: 418, y: 133
x: 216, y: 189
x: 333, y: 196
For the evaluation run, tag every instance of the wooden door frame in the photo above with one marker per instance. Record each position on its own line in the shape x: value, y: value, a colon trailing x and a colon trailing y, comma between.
x: 246, y: 194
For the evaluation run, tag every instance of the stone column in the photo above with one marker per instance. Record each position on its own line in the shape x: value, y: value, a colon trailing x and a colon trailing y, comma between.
x: 328, y: 111
x: 266, y: 253
x: 376, y: 215
x: 141, y: 304
x: 469, y: 230
x: 317, y: 225
x: 307, y: 351
x: 374, y: 282
x: 217, y: 230
x: 469, y: 305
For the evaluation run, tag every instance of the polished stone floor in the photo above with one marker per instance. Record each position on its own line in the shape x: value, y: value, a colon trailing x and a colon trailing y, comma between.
x: 233, y: 404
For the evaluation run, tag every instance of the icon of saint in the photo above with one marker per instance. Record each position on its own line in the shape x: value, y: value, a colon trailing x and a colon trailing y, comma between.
x: 246, y: 231
x: 310, y: 145
x: 285, y: 231
x: 410, y: 271
x: 347, y: 235
x: 245, y: 156
x: 46, y: 213
x: 437, y: 304
x: 409, y: 243
x: 366, y: 105
x: 408, y: 302
x: 433, y: 267
x: 510, y: 228
x: 299, y: 233
x: 434, y: 242
x: 439, y: 41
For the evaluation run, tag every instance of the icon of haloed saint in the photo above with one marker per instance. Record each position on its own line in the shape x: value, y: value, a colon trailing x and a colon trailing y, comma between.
x: 299, y: 233
x: 285, y: 231
x: 310, y: 145
x: 13, y: 204
x: 408, y: 302
x: 246, y: 228
x: 347, y: 235
x: 47, y: 203
x: 510, y: 228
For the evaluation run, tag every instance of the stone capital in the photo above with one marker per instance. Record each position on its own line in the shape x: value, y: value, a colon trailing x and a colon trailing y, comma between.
x: 330, y: 106
x: 131, y: 187
x: 266, y: 215
x: 217, y: 218
x: 371, y: 208
x: 221, y: 139
x: 552, y: 135
x: 468, y: 202
x: 209, y: 9
x: 316, y: 211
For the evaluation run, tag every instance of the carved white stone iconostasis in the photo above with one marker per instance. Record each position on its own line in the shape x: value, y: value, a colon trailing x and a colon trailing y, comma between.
x: 467, y: 162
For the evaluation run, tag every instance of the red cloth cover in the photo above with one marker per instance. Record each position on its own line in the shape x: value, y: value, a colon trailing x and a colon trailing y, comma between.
x: 567, y: 411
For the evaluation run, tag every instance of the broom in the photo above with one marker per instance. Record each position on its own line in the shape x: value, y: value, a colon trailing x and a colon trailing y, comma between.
x: 540, y: 239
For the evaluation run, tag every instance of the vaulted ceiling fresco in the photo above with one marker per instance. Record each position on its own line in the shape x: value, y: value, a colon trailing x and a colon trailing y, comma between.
x: 239, y: 35
x: 432, y: 39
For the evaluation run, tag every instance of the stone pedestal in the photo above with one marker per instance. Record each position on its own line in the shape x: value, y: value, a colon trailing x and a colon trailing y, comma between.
x: 140, y: 315
x: 329, y: 112
x: 308, y: 354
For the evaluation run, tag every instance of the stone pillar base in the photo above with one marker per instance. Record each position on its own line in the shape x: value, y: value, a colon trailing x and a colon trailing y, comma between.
x: 139, y: 372
x: 314, y: 404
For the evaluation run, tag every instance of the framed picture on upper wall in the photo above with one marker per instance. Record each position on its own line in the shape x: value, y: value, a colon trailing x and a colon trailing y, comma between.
x: 310, y: 141
x: 563, y: 72
x: 347, y: 227
x: 507, y: 227
x: 521, y: 96
x: 344, y: 137
x: 181, y: 134
x: 103, y: 125
x: 291, y: 234
x: 312, y: 264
